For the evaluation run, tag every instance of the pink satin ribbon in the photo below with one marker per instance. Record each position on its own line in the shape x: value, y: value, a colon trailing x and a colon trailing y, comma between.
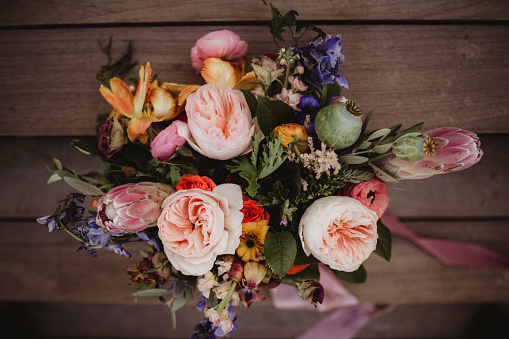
x: 449, y: 252
x: 348, y: 316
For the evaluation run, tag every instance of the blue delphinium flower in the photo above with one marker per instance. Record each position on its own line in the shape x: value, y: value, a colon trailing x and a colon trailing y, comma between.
x: 98, y: 237
x: 150, y: 239
x: 322, y: 59
x: 70, y: 211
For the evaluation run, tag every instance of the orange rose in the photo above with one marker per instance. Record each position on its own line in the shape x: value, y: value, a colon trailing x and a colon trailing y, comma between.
x: 293, y: 134
x: 190, y: 181
x: 253, y: 212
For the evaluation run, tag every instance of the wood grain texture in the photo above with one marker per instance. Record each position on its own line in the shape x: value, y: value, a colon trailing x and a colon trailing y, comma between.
x: 50, y: 320
x: 443, y: 75
x: 42, y: 266
x: 37, y: 12
x: 473, y: 193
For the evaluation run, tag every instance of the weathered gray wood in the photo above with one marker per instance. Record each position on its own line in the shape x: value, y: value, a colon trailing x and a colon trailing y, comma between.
x: 443, y: 75
x: 42, y: 266
x: 475, y: 192
x: 34, y: 12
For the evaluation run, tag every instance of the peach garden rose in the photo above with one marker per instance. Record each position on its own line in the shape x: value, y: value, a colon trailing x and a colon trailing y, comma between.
x: 195, y: 226
x: 339, y: 231
x: 219, y: 123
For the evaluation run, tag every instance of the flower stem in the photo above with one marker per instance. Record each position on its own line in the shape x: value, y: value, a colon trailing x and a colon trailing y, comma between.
x: 227, y: 298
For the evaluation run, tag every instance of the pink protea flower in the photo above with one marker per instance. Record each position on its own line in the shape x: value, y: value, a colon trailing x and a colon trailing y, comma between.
x: 131, y: 208
x: 222, y: 44
x: 456, y: 149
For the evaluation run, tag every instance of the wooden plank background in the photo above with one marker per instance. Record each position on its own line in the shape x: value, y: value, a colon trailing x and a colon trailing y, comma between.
x: 441, y: 62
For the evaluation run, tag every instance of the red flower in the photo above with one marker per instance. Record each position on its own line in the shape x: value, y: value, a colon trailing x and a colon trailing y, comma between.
x: 253, y: 212
x: 190, y: 181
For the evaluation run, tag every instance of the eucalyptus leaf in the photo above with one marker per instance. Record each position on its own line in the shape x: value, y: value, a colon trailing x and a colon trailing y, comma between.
x: 58, y: 164
x: 384, y: 242
x: 414, y: 128
x: 184, y: 151
x: 379, y: 134
x: 179, y: 302
x: 280, y: 251
x: 82, y: 187
x: 54, y: 178
x: 355, y: 277
x: 382, y: 175
x: 153, y: 293
x: 353, y: 159
x: 364, y: 145
x: 380, y: 149
x: 173, y: 318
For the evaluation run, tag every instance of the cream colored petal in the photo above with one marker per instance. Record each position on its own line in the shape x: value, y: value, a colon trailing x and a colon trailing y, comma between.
x: 163, y: 104
x: 219, y: 73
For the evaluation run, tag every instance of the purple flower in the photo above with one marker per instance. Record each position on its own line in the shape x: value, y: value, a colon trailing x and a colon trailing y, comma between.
x: 321, y: 60
x: 150, y: 239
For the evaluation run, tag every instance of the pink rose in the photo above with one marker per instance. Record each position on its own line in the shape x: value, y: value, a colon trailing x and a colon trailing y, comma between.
x: 339, y: 231
x: 166, y: 142
x: 222, y: 44
x: 196, y: 226
x: 371, y: 193
x: 219, y: 123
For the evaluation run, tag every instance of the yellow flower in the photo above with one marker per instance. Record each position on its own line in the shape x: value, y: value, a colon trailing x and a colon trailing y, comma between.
x: 151, y: 103
x: 252, y: 240
x: 293, y: 134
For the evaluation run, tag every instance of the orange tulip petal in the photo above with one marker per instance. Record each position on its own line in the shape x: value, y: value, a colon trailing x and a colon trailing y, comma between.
x: 185, y: 93
x: 141, y: 91
x: 120, y: 97
x: 219, y: 73
x: 248, y: 82
x: 137, y: 129
x: 163, y: 104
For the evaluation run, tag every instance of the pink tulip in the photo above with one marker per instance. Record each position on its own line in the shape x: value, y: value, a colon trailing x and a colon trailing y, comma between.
x: 456, y: 150
x: 165, y: 143
x: 131, y: 208
x: 222, y: 44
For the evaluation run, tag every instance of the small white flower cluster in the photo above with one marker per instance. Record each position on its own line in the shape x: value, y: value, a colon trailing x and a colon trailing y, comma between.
x: 319, y: 160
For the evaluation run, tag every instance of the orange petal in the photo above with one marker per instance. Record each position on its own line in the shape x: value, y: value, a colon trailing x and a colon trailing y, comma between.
x: 120, y: 97
x: 137, y: 129
x: 219, y: 73
x: 163, y: 104
x: 141, y: 91
x: 185, y: 93
x: 248, y: 82
x: 174, y: 87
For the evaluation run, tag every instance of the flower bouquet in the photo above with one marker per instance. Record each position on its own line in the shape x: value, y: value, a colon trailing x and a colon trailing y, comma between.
x: 249, y: 180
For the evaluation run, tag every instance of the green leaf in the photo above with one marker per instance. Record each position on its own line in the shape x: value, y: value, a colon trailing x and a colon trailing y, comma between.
x: 414, y: 128
x: 280, y: 251
x: 251, y: 103
x: 82, y: 187
x: 58, y: 164
x: 272, y: 113
x: 153, y: 293
x: 272, y: 157
x: 310, y: 273
x: 179, y: 302
x: 379, y: 133
x: 382, y: 175
x: 353, y: 159
x: 173, y: 318
x: 355, y: 277
x: 89, y: 146
x: 54, y: 178
x: 384, y: 243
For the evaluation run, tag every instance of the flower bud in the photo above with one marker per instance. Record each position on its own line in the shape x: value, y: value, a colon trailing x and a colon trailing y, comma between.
x: 413, y: 148
x: 236, y: 272
x: 310, y: 290
x: 293, y: 134
x: 161, y: 263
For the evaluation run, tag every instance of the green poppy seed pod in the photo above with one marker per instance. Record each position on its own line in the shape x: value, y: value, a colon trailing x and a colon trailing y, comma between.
x: 339, y: 125
x: 409, y: 148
